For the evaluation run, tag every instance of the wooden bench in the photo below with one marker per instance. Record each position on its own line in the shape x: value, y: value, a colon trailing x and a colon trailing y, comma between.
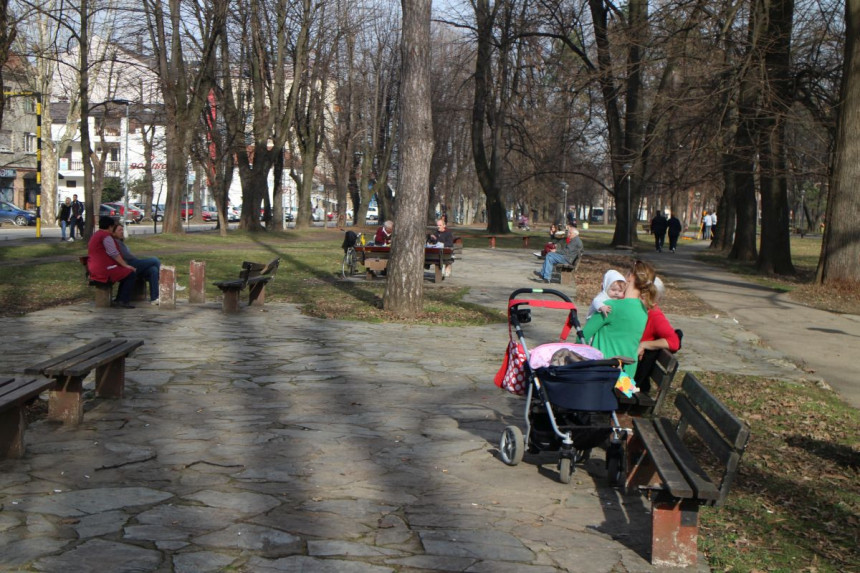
x: 673, y: 478
x: 564, y: 273
x: 375, y: 258
x: 654, y: 386
x: 104, y: 291
x: 105, y: 355
x: 15, y: 393
x: 254, y: 276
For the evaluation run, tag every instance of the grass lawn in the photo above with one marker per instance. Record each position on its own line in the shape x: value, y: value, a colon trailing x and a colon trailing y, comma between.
x: 796, y: 503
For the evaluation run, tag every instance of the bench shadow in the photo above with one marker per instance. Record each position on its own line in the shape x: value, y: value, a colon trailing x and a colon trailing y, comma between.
x: 827, y: 451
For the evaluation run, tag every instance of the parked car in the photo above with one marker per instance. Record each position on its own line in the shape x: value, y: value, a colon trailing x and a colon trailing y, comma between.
x: 157, y: 211
x: 105, y: 209
x: 373, y: 213
x: 189, y: 205
x: 597, y: 215
x: 209, y: 213
x: 233, y: 214
x: 289, y: 214
x: 134, y: 215
x: 9, y: 213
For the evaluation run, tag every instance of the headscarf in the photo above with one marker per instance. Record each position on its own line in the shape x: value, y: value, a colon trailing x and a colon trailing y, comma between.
x: 610, y: 277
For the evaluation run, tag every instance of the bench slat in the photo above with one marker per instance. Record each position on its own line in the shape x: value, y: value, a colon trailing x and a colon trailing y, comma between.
x: 80, y: 362
x: 105, y: 357
x: 663, y: 461
x: 231, y: 284
x: 16, y: 391
x: 730, y: 425
x: 70, y: 356
x: 703, y: 487
x: 711, y: 438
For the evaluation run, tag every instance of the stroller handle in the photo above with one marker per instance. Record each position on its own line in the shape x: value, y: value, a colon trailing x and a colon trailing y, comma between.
x: 550, y: 291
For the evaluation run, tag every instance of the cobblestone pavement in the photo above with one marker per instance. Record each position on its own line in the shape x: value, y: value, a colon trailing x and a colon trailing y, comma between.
x: 271, y: 442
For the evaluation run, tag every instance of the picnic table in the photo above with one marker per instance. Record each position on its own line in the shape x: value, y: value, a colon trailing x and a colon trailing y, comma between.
x: 374, y: 258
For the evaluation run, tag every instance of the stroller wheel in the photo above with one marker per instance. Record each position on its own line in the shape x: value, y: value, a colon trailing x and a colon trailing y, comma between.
x: 511, y: 446
x: 565, y: 470
x: 614, y: 467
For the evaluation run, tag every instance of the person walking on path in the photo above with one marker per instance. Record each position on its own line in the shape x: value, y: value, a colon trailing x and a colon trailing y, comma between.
x: 77, y: 219
x: 706, y: 225
x: 63, y: 217
x: 565, y: 253
x: 674, y: 227
x: 659, y: 224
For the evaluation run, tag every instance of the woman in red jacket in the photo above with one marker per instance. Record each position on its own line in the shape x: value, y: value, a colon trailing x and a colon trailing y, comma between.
x: 658, y: 335
x: 105, y: 263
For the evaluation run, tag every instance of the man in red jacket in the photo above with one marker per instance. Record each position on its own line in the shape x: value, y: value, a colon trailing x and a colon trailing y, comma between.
x: 105, y: 263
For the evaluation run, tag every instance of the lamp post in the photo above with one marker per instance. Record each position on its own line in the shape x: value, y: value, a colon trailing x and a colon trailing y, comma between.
x: 627, y: 167
x: 564, y: 204
x: 127, y: 105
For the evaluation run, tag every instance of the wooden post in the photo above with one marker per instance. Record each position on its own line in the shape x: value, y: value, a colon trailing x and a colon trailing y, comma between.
x: 197, y: 282
x: 12, y: 433
x: 103, y: 295
x: 525, y: 241
x: 110, y: 379
x: 492, y: 242
x: 167, y: 288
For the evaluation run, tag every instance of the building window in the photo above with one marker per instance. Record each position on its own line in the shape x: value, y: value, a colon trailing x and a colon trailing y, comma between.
x: 29, y: 105
x: 30, y: 143
x: 5, y: 141
x: 71, y: 183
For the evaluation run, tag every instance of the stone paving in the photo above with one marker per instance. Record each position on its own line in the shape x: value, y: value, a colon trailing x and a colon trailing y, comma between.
x: 273, y: 442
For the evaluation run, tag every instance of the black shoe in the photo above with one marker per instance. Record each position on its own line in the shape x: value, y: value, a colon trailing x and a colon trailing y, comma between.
x: 538, y: 274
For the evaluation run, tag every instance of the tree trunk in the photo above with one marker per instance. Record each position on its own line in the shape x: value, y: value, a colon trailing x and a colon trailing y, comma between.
x: 404, y: 287
x: 840, y: 249
x: 775, y: 253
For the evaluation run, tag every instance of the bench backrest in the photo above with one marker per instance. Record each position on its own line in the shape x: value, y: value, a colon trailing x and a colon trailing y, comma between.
x: 661, y: 374
x: 724, y: 434
x: 251, y: 270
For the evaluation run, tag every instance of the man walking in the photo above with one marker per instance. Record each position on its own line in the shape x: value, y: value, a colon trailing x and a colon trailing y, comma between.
x: 659, y: 224
x: 63, y: 217
x: 674, y: 227
x: 77, y: 219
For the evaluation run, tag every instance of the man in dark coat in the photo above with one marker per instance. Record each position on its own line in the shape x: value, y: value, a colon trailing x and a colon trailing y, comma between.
x: 659, y: 224
x: 675, y: 228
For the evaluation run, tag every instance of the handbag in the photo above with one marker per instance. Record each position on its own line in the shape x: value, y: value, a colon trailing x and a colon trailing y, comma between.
x: 512, y: 375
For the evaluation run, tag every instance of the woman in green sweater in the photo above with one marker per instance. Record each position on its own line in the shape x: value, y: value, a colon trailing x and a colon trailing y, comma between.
x: 618, y: 332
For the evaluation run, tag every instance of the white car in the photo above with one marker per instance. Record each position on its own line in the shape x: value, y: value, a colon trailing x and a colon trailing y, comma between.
x: 373, y: 213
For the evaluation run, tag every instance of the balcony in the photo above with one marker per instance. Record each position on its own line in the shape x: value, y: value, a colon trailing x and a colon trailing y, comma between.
x: 112, y: 168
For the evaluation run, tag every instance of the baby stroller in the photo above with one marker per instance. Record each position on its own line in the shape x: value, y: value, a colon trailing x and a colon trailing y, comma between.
x: 569, y: 408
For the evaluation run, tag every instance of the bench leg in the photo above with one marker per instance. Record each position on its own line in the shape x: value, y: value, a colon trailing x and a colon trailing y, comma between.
x: 566, y: 277
x: 12, y: 433
x: 65, y: 403
x: 257, y: 295
x: 438, y: 277
x: 103, y: 296
x: 230, y: 305
x: 674, y: 532
x: 110, y: 379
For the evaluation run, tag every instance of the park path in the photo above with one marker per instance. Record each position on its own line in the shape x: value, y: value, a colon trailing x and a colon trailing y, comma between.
x: 270, y: 441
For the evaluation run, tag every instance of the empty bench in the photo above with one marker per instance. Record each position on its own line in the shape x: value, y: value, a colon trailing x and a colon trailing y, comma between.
x: 105, y: 355
x: 255, y: 277
x: 673, y: 478
x: 14, y: 395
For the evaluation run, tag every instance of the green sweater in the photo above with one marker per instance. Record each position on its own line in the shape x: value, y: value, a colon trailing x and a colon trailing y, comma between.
x: 620, y: 332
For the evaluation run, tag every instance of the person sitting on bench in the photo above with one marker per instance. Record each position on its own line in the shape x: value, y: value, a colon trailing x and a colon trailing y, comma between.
x: 565, y: 253
x: 105, y: 263
x: 658, y: 335
x: 383, y: 234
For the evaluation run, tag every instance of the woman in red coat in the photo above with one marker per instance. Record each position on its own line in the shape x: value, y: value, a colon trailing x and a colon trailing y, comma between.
x: 105, y: 263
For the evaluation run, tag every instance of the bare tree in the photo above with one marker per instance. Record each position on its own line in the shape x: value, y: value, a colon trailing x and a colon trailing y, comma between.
x: 840, y: 249
x: 184, y: 87
x: 404, y: 287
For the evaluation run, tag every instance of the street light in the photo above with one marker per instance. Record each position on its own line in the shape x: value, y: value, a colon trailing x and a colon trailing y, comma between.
x: 127, y: 104
x: 627, y: 167
x: 564, y: 206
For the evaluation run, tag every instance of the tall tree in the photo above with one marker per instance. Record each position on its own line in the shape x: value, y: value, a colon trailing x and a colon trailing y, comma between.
x: 840, y: 250
x: 184, y: 87
x: 404, y: 287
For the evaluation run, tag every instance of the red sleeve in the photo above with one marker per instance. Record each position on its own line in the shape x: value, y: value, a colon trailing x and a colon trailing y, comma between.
x: 658, y: 326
